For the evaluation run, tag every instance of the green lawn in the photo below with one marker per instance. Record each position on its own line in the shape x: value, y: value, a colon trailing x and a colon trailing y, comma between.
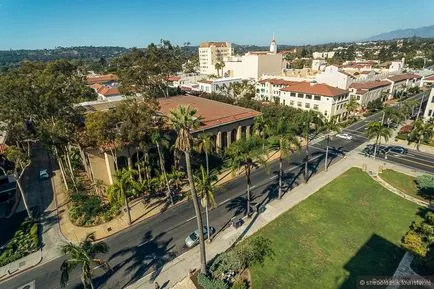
x: 403, y: 182
x: 351, y: 227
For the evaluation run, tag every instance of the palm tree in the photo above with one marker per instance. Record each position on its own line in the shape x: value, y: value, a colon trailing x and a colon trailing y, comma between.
x: 84, y: 255
x: 124, y: 182
x: 352, y: 105
x: 247, y: 153
x: 330, y: 126
x: 204, y: 185
x: 392, y: 114
x: 284, y: 140
x: 262, y: 127
x: 219, y: 66
x: 407, y: 108
x: 309, y: 118
x: 184, y: 120
x: 205, y: 145
x: 376, y: 130
x: 421, y: 132
x: 158, y: 141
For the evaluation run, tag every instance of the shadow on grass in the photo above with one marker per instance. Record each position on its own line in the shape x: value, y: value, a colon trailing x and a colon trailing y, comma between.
x: 377, y: 257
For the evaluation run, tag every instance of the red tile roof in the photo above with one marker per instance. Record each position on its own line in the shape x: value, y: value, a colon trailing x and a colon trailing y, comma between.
x: 315, y: 88
x: 205, y: 81
x: 216, y: 44
x: 277, y: 81
x: 214, y: 113
x: 101, y: 78
x: 401, y: 77
x: 173, y: 78
x: 431, y: 78
x: 108, y: 91
x: 369, y: 85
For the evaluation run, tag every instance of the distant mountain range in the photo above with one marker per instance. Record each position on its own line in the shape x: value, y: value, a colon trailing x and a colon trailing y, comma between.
x: 423, y: 32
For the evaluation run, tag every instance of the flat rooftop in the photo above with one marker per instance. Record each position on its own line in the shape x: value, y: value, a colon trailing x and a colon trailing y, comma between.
x: 213, y: 113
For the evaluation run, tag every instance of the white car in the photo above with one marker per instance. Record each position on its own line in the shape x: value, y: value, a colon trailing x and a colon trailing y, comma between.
x: 43, y: 174
x: 344, y: 136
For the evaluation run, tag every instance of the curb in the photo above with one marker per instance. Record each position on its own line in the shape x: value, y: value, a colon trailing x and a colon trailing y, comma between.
x: 18, y: 272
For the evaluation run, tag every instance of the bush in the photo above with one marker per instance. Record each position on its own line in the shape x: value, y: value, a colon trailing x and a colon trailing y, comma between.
x: 208, y: 283
x: 88, y: 210
x: 24, y: 242
x: 240, y: 284
x: 406, y: 129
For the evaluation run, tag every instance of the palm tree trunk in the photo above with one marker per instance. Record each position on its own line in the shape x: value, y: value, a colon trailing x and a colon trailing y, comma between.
x: 280, y: 174
x: 22, y: 194
x: 62, y: 171
x: 248, y: 189
x: 307, y: 160
x: 207, y: 221
x: 68, y: 160
x: 207, y: 163
x: 198, y: 215
x: 326, y: 156
x: 375, y: 146
x: 163, y: 170
x: 127, y: 207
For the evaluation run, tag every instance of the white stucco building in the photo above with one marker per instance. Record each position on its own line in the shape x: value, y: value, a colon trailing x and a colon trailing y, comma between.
x: 401, y: 82
x: 365, y: 92
x: 211, y: 53
x: 429, y: 109
x: 217, y: 85
x: 270, y: 89
x: 323, y: 55
x: 319, y: 64
x: 335, y: 77
x: 184, y: 79
x: 328, y: 100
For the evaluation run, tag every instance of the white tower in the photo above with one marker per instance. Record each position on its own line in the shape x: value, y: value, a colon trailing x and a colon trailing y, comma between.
x: 273, y: 46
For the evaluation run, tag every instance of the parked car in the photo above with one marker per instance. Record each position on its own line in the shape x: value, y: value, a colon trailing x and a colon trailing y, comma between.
x: 193, y: 239
x: 397, y: 150
x: 43, y: 174
x: 344, y: 136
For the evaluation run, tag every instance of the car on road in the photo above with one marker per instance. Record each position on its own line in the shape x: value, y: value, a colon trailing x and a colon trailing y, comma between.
x: 370, y: 149
x: 193, y: 239
x: 344, y: 136
x: 43, y: 174
x: 397, y: 150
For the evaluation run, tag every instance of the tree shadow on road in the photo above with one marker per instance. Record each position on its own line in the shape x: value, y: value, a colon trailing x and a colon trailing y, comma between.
x: 149, y: 256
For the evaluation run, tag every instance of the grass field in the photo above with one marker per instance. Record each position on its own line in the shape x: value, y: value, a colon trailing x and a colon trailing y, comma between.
x: 403, y: 182
x: 352, y: 227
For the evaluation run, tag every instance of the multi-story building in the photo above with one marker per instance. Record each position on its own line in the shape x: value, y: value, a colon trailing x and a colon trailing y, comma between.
x: 269, y: 89
x: 211, y: 53
x: 323, y: 55
x: 328, y: 100
x: 365, y: 92
x: 217, y: 85
x: 184, y: 79
x: 335, y: 77
x: 429, y: 109
x: 401, y: 82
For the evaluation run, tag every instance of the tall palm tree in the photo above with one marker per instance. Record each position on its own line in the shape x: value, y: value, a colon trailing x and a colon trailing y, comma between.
x: 159, y: 141
x: 310, y: 118
x: 284, y: 140
x: 352, y: 105
x: 84, y: 255
x: 392, y: 114
x: 376, y: 130
x: 123, y: 184
x: 205, y: 144
x: 262, y: 127
x: 183, y: 121
x: 329, y: 127
x: 204, y: 185
x: 421, y: 132
x: 247, y: 153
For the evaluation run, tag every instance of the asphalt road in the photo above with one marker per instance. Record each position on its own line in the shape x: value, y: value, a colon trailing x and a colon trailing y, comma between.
x: 144, y: 247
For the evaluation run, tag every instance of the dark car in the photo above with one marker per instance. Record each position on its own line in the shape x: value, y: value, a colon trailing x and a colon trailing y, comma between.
x: 397, y: 150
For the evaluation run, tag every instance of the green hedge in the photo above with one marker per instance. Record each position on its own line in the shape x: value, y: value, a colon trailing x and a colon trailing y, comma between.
x: 24, y: 242
x: 208, y: 283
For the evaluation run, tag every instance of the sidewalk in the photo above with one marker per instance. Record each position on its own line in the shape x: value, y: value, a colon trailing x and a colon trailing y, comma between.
x: 178, y: 269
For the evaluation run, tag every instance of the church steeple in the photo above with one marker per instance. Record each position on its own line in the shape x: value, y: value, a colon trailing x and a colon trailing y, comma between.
x: 273, y: 45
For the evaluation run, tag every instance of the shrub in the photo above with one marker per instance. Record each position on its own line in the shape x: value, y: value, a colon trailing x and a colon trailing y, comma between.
x: 208, y: 283
x: 426, y: 185
x: 240, y: 284
x: 406, y: 129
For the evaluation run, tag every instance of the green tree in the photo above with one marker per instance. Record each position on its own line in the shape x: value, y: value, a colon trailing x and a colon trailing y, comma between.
x: 376, y: 130
x: 329, y: 127
x: 421, y: 132
x: 248, y: 154
x: 285, y: 141
x: 391, y: 114
x: 352, y: 105
x: 123, y: 185
x: 262, y: 127
x: 310, y: 120
x: 183, y: 121
x: 204, y: 185
x: 84, y: 255
x: 159, y: 142
x: 205, y: 144
x: 425, y: 184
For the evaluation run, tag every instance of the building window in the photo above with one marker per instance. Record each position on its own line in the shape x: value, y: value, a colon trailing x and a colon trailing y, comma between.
x: 308, y: 96
x: 307, y: 105
x: 283, y: 102
x: 292, y: 94
x: 316, y: 106
x: 299, y: 104
x: 317, y: 97
x: 358, y: 97
x: 325, y: 112
x: 300, y: 95
x: 291, y: 102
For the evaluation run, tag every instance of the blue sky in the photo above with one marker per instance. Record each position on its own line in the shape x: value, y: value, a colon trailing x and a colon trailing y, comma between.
x: 34, y: 24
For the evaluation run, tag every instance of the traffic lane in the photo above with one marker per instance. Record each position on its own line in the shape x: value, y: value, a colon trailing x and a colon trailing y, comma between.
x: 413, y: 161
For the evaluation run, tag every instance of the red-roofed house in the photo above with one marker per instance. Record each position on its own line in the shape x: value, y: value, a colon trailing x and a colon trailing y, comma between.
x: 365, y: 92
x: 400, y: 83
x: 268, y: 89
x: 224, y: 122
x: 102, y: 79
x: 427, y: 80
x: 106, y: 91
x: 328, y: 100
